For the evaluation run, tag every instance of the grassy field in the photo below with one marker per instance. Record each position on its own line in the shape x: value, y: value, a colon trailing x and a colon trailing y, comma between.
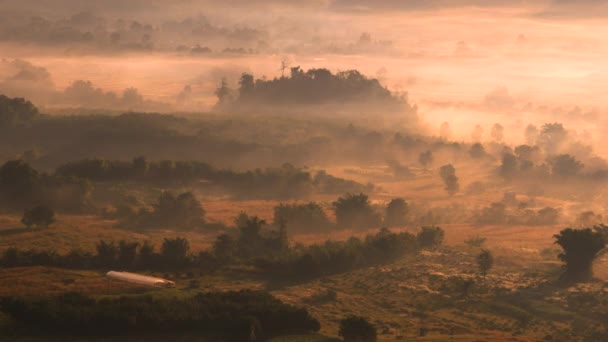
x: 415, y: 299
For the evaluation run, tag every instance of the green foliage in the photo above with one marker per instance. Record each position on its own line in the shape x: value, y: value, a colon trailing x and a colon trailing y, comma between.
x: 74, y: 314
x: 485, y: 261
x: 430, y: 237
x: 581, y: 247
x: 357, y: 329
x: 355, y: 211
x: 40, y: 216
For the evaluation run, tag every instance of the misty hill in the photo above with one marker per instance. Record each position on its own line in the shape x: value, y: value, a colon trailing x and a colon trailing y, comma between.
x: 311, y: 87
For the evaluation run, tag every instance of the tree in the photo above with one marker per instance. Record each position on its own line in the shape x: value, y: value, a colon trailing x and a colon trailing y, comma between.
x: 127, y: 253
x: 552, y: 136
x: 426, y: 159
x: 246, y: 85
x: 477, y: 151
x: 531, y: 134
x: 485, y: 261
x: 183, y: 211
x: 174, y: 252
x: 106, y: 253
x: 565, y: 165
x: 357, y: 329
x: 477, y: 133
x: 308, y: 217
x: 223, y: 93
x: 508, y: 167
x: 355, y: 211
x: 16, y: 111
x: 39, y: 216
x: 580, y: 248
x: 397, y: 211
x: 430, y: 237
x: 224, y: 247
x: 448, y: 175
x: 18, y: 183
x: 498, y: 132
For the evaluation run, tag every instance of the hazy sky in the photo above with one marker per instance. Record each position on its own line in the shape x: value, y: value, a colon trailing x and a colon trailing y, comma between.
x: 466, y: 62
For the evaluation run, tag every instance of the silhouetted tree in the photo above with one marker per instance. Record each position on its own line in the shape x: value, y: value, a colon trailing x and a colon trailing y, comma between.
x: 565, y: 165
x: 508, y: 167
x: 397, y: 211
x: 426, y: 159
x: 40, y: 216
x: 355, y: 211
x: 551, y: 137
x: 127, y: 254
x: 357, y: 329
x: 477, y: 133
x: 498, y: 132
x: 224, y: 247
x: 16, y: 111
x: 485, y: 261
x: 430, y: 237
x: 531, y: 134
x: 477, y: 151
x: 448, y: 175
x: 581, y: 247
x: 174, y: 252
x: 106, y: 254
x: 308, y: 217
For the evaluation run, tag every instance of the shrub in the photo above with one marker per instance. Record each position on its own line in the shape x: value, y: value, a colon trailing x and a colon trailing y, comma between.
x: 301, y: 217
x: 485, y: 261
x: 430, y: 237
x: 355, y: 211
x: 397, y: 211
x: 357, y: 329
x: 475, y: 241
x: 39, y: 216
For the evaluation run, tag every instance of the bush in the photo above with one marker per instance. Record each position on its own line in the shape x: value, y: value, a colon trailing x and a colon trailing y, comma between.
x: 355, y: 211
x: 448, y: 175
x: 74, y: 314
x: 475, y: 241
x: 39, y: 216
x: 357, y: 329
x: 397, y: 212
x: 430, y: 237
x: 485, y: 261
x: 301, y: 217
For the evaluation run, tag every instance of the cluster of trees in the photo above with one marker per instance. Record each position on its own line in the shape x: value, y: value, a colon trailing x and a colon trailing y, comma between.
x: 22, y: 187
x: 180, y: 212
x: 229, y: 316
x: 16, y: 111
x: 500, y: 213
x: 353, y: 211
x: 286, y: 181
x: 315, y: 86
x: 174, y: 254
x: 339, y: 256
